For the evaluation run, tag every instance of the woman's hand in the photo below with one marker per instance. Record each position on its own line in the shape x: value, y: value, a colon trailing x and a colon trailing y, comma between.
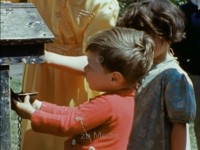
x: 23, y: 109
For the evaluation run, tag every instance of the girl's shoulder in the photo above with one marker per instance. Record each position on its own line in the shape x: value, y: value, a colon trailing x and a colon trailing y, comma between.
x: 170, y: 68
x: 165, y: 73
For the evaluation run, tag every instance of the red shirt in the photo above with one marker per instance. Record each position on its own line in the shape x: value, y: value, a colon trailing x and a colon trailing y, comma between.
x: 103, y: 123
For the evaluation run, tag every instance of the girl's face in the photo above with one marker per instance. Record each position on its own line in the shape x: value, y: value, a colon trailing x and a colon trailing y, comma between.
x: 97, y: 77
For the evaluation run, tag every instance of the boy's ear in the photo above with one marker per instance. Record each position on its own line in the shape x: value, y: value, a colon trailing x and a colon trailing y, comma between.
x: 117, y: 78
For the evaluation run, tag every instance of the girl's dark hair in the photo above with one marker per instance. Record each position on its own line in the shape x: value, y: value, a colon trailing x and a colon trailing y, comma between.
x: 159, y: 18
x: 127, y: 51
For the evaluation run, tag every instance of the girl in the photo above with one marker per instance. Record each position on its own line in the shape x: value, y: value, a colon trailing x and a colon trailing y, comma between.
x: 165, y: 101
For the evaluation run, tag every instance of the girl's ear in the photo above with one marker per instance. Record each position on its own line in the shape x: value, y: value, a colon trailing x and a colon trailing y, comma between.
x: 117, y: 78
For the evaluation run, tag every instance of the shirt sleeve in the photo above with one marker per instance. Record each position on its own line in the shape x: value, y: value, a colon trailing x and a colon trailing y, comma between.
x: 180, y: 98
x: 55, y: 109
x: 74, y: 121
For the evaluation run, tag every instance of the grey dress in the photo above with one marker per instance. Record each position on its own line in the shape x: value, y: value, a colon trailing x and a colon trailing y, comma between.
x: 166, y: 95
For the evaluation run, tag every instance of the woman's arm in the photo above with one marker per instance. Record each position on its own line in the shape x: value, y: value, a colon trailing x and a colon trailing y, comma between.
x: 106, y: 13
x: 72, y: 64
x: 178, y: 136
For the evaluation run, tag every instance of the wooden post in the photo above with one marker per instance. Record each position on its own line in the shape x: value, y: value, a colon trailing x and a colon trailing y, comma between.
x: 22, y: 38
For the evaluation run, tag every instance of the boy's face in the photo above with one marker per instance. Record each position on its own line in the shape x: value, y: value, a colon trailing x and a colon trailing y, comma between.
x: 97, y: 76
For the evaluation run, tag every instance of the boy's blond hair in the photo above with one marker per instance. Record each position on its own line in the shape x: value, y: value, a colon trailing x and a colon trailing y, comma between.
x: 127, y: 51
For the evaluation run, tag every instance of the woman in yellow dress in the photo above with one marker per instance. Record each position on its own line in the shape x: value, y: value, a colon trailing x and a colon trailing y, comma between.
x: 72, y: 22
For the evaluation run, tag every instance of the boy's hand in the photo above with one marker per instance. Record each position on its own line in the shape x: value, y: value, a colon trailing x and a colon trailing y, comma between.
x: 23, y: 109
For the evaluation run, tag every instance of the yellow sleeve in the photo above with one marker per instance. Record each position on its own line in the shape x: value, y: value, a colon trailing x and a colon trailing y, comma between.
x: 105, y: 16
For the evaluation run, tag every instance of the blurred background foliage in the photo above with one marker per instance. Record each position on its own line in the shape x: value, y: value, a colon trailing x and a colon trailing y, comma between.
x: 124, y: 3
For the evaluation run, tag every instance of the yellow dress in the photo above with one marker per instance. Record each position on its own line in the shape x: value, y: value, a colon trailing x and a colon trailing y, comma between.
x: 72, y: 22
